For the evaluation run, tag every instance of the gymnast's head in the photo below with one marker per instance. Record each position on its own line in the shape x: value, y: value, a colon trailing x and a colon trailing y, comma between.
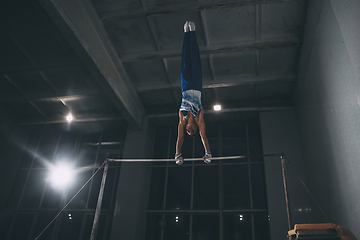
x: 191, y: 128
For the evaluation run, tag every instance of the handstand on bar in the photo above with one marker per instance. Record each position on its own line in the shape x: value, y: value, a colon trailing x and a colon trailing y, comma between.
x: 191, y: 112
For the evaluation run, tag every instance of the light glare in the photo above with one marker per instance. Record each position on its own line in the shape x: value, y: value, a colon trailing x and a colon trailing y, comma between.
x: 69, y: 117
x: 61, y: 176
x: 217, y: 107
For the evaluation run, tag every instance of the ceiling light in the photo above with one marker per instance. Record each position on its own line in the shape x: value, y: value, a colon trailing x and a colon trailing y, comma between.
x: 69, y: 117
x: 217, y: 107
x: 61, y: 176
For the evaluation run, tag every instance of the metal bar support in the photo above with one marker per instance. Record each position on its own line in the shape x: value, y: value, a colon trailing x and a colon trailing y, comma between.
x: 191, y: 159
x: 282, y: 157
x: 98, y: 206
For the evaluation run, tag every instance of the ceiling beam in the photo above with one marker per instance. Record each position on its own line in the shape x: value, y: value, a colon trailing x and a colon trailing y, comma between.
x: 258, y: 31
x: 50, y: 96
x: 41, y: 67
x: 242, y: 109
x: 23, y: 93
x: 176, y: 98
x: 174, y: 53
x: 182, y: 7
x: 158, y: 115
x: 60, y: 121
x: 81, y: 26
x: 15, y: 28
x: 222, y: 82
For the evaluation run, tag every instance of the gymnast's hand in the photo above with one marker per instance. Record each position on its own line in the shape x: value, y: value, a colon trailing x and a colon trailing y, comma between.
x: 179, y: 159
x: 207, y: 157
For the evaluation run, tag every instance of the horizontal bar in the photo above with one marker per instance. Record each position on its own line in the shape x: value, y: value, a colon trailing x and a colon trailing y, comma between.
x: 224, y: 164
x: 192, y: 159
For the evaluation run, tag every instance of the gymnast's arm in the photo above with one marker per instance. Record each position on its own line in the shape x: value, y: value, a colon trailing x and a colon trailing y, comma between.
x: 181, y: 130
x: 202, y: 130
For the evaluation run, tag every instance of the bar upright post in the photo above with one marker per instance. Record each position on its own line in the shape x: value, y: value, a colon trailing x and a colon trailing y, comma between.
x: 98, y: 206
x: 282, y: 157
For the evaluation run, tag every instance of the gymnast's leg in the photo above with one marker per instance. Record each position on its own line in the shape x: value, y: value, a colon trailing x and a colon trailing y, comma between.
x: 186, y: 67
x: 195, y: 62
x: 191, y: 71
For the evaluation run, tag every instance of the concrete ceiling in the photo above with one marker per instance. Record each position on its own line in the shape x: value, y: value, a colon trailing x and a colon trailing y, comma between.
x: 106, y: 60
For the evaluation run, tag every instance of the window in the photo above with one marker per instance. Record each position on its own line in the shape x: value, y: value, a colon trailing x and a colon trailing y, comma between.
x: 33, y: 202
x: 223, y: 200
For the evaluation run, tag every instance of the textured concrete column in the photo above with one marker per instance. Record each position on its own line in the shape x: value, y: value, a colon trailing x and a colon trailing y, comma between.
x: 129, y: 220
x: 327, y: 105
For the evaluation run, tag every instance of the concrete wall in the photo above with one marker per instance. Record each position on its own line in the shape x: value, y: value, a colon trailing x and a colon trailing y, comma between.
x: 132, y: 197
x: 327, y: 101
x: 280, y: 134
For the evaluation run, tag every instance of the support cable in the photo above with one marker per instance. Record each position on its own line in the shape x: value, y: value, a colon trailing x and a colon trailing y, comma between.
x: 313, y: 198
x: 71, y: 200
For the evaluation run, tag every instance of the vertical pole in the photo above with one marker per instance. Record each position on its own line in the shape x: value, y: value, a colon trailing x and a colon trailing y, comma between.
x: 221, y: 189
x: 250, y: 182
x: 98, y: 206
x: 285, y: 190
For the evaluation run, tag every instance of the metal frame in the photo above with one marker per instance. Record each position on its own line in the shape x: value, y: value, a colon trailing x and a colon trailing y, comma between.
x: 99, y: 203
x: 101, y: 192
x: 191, y: 211
x: 192, y: 159
x: 30, y: 167
x: 286, y: 192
